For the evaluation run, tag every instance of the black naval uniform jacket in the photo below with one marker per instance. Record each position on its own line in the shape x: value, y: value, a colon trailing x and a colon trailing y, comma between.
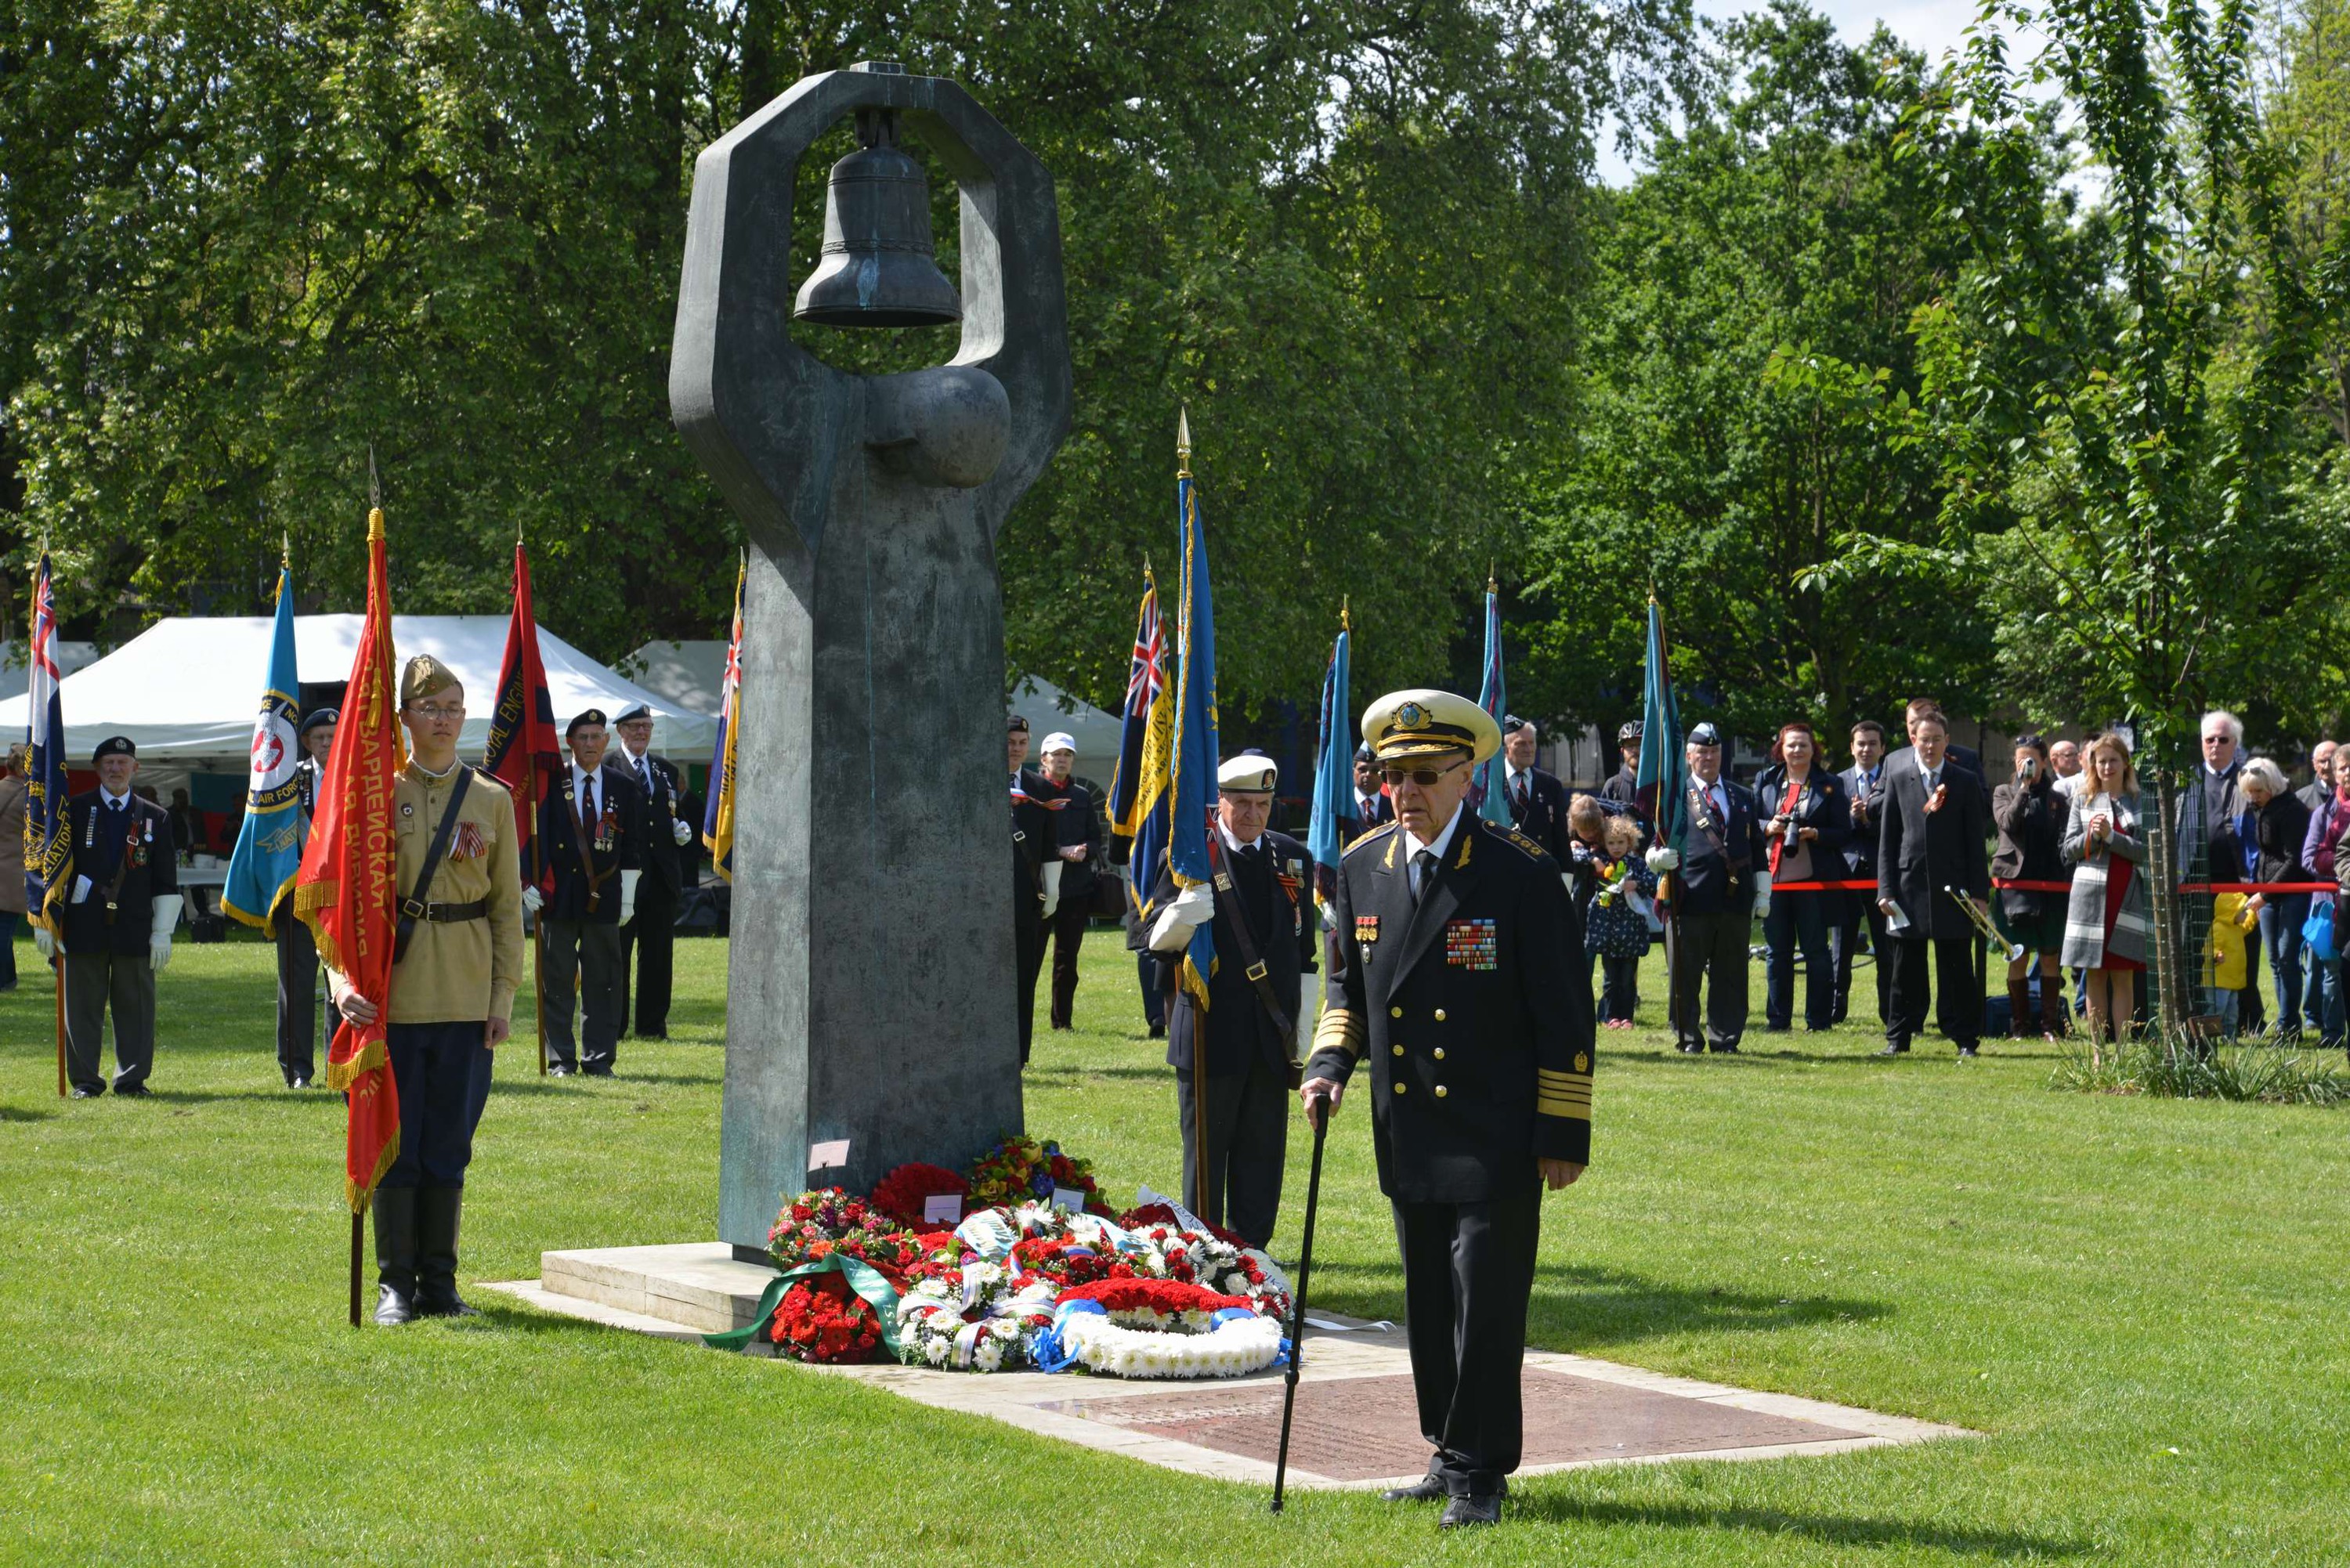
x: 1918, y: 852
x: 616, y: 842
x: 148, y: 862
x: 664, y: 860
x: 1474, y: 1009
x: 1274, y: 887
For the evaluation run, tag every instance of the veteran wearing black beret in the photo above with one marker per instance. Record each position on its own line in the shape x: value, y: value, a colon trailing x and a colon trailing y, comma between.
x: 1458, y: 980
x: 111, y: 913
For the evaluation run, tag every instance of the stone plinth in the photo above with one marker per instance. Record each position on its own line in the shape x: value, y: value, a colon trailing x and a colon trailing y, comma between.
x: 1356, y: 1424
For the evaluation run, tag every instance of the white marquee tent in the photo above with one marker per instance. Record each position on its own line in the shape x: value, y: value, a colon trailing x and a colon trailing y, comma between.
x: 689, y: 673
x: 186, y: 690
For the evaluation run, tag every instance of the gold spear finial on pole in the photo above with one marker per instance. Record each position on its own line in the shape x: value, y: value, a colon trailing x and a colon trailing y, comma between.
x: 375, y: 499
x: 1346, y: 619
x: 1183, y: 442
x: 1493, y: 582
x: 286, y: 550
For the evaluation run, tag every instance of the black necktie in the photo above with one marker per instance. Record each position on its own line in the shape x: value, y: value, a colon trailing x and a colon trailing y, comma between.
x: 1522, y: 802
x: 587, y: 798
x: 1425, y: 864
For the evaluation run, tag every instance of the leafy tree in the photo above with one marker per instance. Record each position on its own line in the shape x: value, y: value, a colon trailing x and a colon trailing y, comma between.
x: 263, y: 235
x: 2131, y: 440
x: 1732, y: 437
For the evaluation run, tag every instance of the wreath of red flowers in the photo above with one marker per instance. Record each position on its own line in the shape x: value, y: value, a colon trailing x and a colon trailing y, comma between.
x: 1162, y: 1296
x: 823, y: 1320
x: 1152, y: 1216
x: 901, y: 1194
x: 1067, y: 1262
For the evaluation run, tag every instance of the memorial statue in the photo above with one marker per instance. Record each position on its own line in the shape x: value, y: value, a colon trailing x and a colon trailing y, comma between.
x: 870, y: 997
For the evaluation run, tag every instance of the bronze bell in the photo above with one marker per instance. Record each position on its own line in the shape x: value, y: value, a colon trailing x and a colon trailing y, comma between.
x: 877, y: 267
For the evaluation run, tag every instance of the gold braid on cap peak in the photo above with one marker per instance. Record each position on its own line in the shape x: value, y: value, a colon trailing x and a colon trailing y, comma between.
x: 1339, y: 1031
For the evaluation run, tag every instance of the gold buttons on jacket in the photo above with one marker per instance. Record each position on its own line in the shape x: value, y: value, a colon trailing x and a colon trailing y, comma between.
x: 1399, y: 1050
x: 1439, y: 1053
x: 1440, y: 1015
x: 1440, y: 1091
x: 1394, y: 1012
x: 1399, y: 1088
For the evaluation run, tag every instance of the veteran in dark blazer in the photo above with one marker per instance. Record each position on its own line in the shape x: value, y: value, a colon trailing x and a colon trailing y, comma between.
x: 1930, y: 838
x: 1713, y: 899
x: 1245, y: 1046
x: 670, y: 866
x: 116, y: 903
x: 1458, y: 978
x: 595, y: 826
x: 1538, y: 800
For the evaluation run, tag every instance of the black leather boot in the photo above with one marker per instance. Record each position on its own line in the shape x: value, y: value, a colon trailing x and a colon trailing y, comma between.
x: 2019, y: 1008
x: 395, y: 1255
x: 438, y: 1212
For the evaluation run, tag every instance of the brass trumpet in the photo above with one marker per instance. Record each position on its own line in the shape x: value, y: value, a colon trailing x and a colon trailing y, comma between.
x: 1982, y: 922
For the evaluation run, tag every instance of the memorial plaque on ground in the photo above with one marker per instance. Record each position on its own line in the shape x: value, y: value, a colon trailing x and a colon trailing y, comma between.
x: 1367, y: 1428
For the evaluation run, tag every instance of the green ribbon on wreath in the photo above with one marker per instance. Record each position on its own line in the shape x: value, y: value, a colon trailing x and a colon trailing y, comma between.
x: 863, y: 1278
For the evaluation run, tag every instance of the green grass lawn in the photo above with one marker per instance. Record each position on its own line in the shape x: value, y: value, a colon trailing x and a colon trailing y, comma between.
x: 2141, y: 1303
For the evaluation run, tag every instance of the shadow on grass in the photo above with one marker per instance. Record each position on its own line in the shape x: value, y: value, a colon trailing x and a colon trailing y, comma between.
x: 1581, y: 1309
x: 1541, y: 1502
x: 25, y: 1114
x: 532, y: 1084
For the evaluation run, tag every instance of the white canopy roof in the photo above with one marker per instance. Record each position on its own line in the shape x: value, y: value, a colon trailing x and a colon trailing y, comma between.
x: 188, y: 687
x: 689, y: 674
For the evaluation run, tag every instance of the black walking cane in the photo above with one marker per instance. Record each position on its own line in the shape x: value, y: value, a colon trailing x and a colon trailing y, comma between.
x: 1318, y: 1112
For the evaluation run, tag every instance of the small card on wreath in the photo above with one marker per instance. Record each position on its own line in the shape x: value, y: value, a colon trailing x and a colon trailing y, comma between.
x: 1070, y: 1198
x: 825, y: 1156
x: 942, y: 1208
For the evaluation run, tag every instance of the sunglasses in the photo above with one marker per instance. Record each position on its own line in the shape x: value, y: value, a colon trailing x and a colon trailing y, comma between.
x: 1424, y: 778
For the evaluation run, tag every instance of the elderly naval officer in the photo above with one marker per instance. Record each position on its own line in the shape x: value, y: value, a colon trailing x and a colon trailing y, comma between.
x: 1264, y: 939
x: 455, y: 968
x: 1458, y: 975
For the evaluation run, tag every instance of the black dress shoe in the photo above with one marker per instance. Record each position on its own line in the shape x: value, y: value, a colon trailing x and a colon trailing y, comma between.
x: 597, y: 1071
x: 1462, y: 1512
x: 560, y: 1071
x: 1729, y: 1050
x: 1159, y: 1031
x: 1965, y: 1053
x: 135, y: 1091
x: 393, y: 1307
x: 84, y: 1092
x: 1895, y: 1049
x: 1427, y: 1489
x: 1686, y: 1049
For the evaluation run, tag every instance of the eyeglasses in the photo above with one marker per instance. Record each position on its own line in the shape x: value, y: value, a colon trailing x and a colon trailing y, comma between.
x: 1424, y: 778
x: 431, y: 710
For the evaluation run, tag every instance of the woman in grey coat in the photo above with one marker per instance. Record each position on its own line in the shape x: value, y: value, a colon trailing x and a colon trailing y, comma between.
x: 2105, y: 924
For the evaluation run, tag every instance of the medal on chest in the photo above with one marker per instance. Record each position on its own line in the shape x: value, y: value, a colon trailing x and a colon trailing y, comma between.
x: 1471, y: 944
x: 1367, y: 933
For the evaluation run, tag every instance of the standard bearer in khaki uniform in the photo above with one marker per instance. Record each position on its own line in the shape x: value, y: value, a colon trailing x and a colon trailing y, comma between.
x: 453, y: 991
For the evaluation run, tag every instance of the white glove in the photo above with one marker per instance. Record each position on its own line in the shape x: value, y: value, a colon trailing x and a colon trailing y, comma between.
x: 1052, y: 880
x: 1191, y: 908
x: 531, y: 899
x: 629, y: 896
x: 45, y: 942
x: 1663, y: 858
x: 159, y: 933
x: 682, y: 832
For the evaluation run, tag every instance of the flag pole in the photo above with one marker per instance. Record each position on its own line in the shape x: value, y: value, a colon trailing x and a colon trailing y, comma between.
x: 57, y: 968
x: 1199, y: 1012
x: 539, y: 931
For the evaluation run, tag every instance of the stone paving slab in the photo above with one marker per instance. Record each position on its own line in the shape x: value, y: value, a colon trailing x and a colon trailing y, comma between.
x: 1356, y: 1426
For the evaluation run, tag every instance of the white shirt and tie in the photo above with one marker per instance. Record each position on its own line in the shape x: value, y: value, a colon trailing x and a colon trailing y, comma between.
x: 583, y: 786
x: 1425, y: 858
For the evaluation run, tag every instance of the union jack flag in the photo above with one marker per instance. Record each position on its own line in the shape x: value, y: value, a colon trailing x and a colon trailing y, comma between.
x: 1137, y: 792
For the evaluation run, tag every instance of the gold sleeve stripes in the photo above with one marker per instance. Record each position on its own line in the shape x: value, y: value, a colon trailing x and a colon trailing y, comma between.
x: 1340, y: 1029
x: 1564, y: 1094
